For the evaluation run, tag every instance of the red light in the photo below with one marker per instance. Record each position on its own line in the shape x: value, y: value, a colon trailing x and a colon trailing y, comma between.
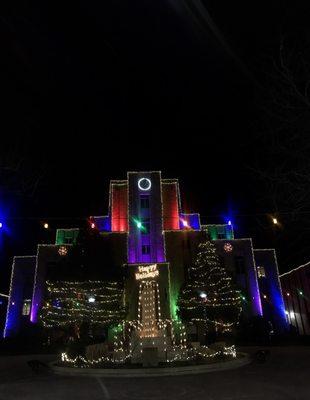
x: 170, y: 206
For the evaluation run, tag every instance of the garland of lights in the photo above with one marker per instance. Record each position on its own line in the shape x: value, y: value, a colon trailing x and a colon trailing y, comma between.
x: 176, y: 353
x: 95, y: 302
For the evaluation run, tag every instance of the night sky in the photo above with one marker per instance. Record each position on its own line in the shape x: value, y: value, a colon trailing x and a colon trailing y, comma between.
x: 92, y: 89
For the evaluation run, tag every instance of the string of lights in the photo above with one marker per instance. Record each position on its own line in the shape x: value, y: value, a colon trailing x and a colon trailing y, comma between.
x: 272, y: 216
x: 75, y: 302
x: 175, y: 354
x: 209, y: 295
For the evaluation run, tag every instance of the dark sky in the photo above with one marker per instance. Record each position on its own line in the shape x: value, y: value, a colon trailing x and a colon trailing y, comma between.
x: 92, y: 89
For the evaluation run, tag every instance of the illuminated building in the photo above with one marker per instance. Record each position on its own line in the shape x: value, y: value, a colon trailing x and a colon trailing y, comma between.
x: 153, y: 242
x: 296, y: 294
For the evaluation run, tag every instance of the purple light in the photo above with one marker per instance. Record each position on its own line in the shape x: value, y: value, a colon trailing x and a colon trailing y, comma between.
x: 184, y: 223
x: 34, y: 313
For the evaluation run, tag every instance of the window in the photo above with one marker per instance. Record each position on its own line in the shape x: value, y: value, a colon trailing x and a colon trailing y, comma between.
x: 261, y: 272
x: 239, y: 265
x: 144, y: 202
x: 146, y: 249
x: 26, y: 307
x: 221, y: 233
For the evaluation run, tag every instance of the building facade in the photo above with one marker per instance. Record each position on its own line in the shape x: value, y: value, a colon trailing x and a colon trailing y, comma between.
x: 153, y: 242
x: 296, y: 294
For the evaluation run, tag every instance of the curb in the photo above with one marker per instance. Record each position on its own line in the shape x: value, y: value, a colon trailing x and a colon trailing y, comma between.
x: 150, y: 372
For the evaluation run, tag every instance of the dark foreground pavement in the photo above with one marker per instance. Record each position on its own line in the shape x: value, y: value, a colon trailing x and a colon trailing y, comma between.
x: 285, y: 375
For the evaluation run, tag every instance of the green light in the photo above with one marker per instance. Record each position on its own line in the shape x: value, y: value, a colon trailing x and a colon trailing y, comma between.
x: 243, y: 298
x: 300, y: 292
x: 138, y: 224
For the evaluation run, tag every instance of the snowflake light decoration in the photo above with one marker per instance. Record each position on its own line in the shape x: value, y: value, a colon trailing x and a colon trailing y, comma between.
x: 228, y: 247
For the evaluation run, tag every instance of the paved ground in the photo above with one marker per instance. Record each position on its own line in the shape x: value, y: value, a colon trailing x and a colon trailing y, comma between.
x: 285, y: 375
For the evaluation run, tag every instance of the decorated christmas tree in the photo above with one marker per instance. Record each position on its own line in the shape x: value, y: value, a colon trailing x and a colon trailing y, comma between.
x: 209, y: 296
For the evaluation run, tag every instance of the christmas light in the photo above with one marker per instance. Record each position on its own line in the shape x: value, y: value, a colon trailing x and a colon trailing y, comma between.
x: 1, y: 225
x: 208, y: 273
x: 62, y: 251
x: 149, y: 271
x: 275, y: 221
x: 184, y: 223
x: 176, y: 354
x: 221, y: 292
x: 144, y: 184
x: 69, y: 302
x: 45, y: 225
x: 228, y: 248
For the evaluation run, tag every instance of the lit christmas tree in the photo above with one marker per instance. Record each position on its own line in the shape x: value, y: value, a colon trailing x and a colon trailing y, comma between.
x: 209, y: 296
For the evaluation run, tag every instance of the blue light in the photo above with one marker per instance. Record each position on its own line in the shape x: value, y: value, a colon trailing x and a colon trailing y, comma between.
x: 229, y: 222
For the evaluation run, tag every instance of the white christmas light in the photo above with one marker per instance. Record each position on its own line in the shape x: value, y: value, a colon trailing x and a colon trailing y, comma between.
x: 144, y: 184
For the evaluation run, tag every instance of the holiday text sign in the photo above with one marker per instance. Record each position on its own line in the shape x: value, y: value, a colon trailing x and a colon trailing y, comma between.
x: 148, y: 271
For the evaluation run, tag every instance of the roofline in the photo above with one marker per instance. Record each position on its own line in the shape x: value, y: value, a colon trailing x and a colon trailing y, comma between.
x: 24, y: 256
x: 268, y: 249
x: 295, y: 269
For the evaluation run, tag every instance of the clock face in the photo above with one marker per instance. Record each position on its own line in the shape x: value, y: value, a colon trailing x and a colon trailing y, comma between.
x: 144, y: 184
